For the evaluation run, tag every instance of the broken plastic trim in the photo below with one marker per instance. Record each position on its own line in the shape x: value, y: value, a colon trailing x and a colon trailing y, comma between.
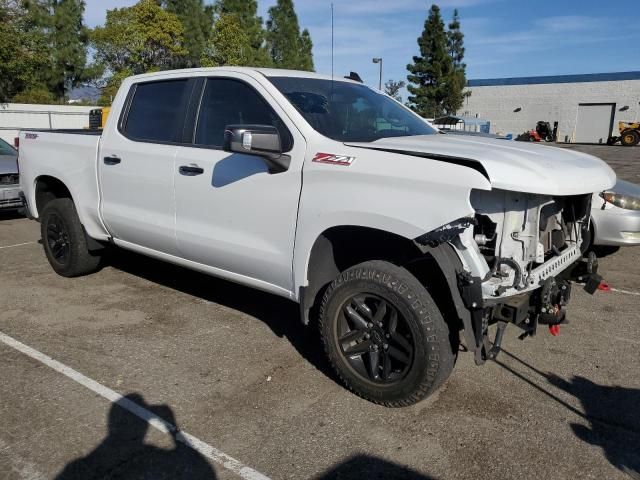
x: 445, y: 233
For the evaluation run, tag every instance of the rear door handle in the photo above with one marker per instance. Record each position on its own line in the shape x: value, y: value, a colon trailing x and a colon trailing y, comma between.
x: 190, y: 170
x: 112, y: 160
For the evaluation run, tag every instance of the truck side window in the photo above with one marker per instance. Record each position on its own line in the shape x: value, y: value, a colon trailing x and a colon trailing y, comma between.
x: 232, y: 102
x: 156, y: 111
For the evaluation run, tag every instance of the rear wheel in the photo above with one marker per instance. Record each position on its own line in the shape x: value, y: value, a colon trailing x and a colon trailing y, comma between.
x: 384, y: 334
x: 630, y: 138
x: 64, y: 240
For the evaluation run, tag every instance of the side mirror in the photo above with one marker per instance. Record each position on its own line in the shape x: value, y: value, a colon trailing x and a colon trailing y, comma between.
x: 261, y: 140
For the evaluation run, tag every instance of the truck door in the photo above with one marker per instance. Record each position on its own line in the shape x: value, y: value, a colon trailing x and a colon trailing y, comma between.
x: 231, y: 212
x: 136, y: 165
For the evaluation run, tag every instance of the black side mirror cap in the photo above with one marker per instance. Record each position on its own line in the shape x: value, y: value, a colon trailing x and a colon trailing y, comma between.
x: 261, y: 140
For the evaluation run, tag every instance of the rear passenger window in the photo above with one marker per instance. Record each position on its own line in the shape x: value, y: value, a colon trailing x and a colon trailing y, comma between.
x: 157, y: 111
x: 231, y: 102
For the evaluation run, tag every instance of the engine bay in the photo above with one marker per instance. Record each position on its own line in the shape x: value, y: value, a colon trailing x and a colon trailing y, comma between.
x: 525, y: 238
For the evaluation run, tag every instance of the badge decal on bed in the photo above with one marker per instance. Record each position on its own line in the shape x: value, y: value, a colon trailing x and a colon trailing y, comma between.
x: 333, y: 159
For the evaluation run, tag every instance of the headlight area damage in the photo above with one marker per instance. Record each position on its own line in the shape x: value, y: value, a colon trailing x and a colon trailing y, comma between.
x: 513, y: 262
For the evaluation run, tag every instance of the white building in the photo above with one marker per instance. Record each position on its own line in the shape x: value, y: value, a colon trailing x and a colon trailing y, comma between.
x: 586, y: 107
x: 16, y: 116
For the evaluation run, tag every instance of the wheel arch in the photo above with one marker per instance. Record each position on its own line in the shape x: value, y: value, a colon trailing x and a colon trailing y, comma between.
x: 46, y: 189
x: 341, y: 247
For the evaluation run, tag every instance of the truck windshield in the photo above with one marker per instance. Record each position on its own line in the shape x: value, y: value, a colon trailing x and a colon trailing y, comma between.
x: 348, y: 112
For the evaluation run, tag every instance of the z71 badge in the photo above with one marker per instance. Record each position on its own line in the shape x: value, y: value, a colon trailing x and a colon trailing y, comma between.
x: 333, y: 159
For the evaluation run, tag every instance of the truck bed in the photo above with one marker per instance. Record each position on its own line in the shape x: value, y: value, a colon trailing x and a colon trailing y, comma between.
x: 67, y: 155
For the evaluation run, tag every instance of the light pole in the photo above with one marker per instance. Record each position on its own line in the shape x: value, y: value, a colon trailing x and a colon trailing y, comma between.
x: 379, y: 61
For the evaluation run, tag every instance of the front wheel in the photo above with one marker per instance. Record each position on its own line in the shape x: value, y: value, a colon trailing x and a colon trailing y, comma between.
x: 385, y: 336
x: 630, y: 138
x: 64, y: 241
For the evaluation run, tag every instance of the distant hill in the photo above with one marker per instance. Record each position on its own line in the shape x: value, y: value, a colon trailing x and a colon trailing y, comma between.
x: 85, y: 92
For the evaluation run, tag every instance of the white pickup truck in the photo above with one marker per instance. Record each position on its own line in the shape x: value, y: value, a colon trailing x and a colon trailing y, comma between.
x: 400, y: 242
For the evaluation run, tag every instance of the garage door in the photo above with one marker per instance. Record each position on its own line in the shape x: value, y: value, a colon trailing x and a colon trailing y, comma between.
x: 594, y: 122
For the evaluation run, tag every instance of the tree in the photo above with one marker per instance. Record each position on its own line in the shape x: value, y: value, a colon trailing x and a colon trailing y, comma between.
x: 23, y: 52
x: 458, y: 81
x: 38, y: 94
x: 228, y: 44
x: 306, y: 52
x: 139, y: 39
x: 60, y: 23
x: 392, y: 88
x: 196, y: 19
x: 431, y: 71
x: 246, y: 15
x: 287, y: 47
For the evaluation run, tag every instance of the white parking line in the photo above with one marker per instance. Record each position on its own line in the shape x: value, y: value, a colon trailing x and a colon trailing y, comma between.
x: 625, y: 291
x: 151, y: 418
x: 17, y: 245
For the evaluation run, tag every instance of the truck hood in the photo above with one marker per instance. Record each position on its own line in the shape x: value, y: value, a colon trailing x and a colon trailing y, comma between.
x: 514, y: 166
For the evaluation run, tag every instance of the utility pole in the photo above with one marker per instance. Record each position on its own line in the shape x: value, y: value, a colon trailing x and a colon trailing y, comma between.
x: 379, y: 61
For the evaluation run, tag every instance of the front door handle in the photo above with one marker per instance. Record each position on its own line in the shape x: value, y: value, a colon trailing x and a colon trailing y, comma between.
x: 190, y: 170
x: 112, y: 160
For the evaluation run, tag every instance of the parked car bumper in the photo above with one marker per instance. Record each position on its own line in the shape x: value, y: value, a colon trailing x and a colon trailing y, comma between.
x: 616, y: 227
x: 10, y: 198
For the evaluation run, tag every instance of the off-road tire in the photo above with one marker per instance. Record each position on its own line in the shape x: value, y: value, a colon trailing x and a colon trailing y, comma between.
x: 78, y: 260
x: 630, y: 138
x: 434, y: 351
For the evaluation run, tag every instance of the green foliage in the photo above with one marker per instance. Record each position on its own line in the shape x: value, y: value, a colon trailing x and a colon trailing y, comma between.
x: 287, y: 47
x: 22, y: 50
x: 392, y: 88
x: 458, y: 81
x: 38, y: 94
x: 196, y: 19
x: 112, y: 85
x: 60, y: 24
x: 228, y: 44
x: 246, y: 14
x: 430, y: 73
x: 139, y: 39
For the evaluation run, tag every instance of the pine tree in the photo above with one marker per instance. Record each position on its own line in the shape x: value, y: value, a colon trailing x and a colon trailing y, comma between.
x: 246, y: 14
x: 61, y: 23
x: 287, y: 47
x: 431, y: 71
x: 458, y: 81
x: 196, y: 19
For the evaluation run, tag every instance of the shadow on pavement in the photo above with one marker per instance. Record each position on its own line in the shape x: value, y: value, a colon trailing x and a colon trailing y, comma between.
x: 612, y: 414
x: 124, y: 455
x: 363, y: 467
x: 282, y: 316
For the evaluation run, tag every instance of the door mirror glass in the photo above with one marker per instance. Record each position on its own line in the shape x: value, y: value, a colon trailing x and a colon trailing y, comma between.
x: 261, y: 140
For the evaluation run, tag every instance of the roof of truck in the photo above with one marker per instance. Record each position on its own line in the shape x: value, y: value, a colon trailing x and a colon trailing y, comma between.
x: 267, y: 72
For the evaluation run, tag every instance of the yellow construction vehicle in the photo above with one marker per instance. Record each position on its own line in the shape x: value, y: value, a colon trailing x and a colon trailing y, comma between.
x: 629, y: 134
x: 98, y: 118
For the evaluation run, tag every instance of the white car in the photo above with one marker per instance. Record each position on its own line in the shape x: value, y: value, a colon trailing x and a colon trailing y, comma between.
x: 399, y: 242
x: 615, y: 216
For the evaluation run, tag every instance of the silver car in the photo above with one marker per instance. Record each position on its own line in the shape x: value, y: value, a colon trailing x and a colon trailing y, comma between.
x: 615, y: 216
x: 9, y: 179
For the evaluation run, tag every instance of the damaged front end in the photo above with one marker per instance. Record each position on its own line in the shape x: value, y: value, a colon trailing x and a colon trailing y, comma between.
x: 515, y: 260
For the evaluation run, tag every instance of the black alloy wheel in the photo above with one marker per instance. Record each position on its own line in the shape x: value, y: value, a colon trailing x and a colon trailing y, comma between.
x: 385, y: 336
x: 375, y: 339
x: 58, y: 239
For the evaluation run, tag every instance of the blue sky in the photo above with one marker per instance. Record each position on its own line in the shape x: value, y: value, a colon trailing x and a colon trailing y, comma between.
x: 503, y: 38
